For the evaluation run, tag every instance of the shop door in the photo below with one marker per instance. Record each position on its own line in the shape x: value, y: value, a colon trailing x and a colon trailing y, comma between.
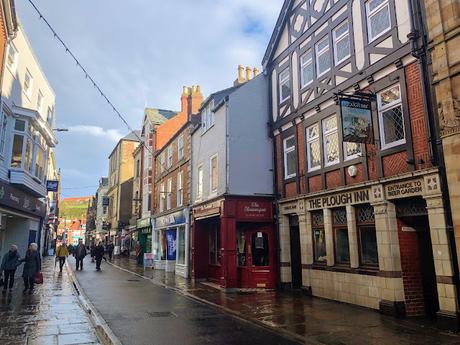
x: 296, y: 263
x: 259, y: 269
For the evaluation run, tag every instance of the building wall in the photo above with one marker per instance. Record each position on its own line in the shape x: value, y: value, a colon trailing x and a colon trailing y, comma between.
x: 249, y: 141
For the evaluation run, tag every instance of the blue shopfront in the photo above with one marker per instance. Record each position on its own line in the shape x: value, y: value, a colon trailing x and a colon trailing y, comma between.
x: 170, y: 243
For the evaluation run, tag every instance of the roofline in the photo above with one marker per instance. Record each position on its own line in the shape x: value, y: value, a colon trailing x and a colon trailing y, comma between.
x: 276, y: 32
x: 178, y: 132
x: 211, y: 96
x: 120, y: 141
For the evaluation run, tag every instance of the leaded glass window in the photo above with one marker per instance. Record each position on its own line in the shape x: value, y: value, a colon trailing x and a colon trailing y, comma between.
x: 391, y: 118
x: 378, y: 18
x: 313, y: 148
x: 351, y: 150
x: 323, y: 56
x: 341, y: 43
x: 330, y: 141
x: 319, y: 237
x: 285, y: 85
x: 290, y: 157
x: 306, y: 65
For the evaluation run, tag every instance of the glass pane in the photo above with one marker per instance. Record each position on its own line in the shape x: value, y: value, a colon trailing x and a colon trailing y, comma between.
x: 20, y: 125
x: 307, y: 73
x: 320, y: 245
x: 29, y: 155
x: 393, y: 125
x: 156, y: 245
x: 181, y: 248
x: 342, y: 249
x: 342, y: 29
x: 214, y: 246
x: 16, y: 157
x: 163, y: 244
x: 315, y: 154
x: 389, y: 96
x: 373, y: 4
x: 332, y: 148
x: 343, y: 48
x: 313, y: 131
x: 241, y: 248
x: 380, y: 21
x: 214, y: 174
x: 369, y: 254
x: 291, y: 164
x: 260, y: 249
x: 352, y: 149
x: 339, y: 216
x: 330, y: 123
x: 285, y: 90
x: 324, y: 62
x: 306, y: 57
x: 322, y: 45
x: 290, y: 142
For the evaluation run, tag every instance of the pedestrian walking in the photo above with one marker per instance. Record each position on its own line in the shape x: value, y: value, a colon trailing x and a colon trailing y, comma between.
x: 99, y: 254
x: 110, y: 248
x: 80, y: 253
x: 10, y: 263
x: 62, y: 253
x: 92, y: 252
x: 32, y: 266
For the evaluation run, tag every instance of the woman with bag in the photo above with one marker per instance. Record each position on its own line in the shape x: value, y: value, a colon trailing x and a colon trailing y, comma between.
x: 32, y: 267
x: 10, y: 262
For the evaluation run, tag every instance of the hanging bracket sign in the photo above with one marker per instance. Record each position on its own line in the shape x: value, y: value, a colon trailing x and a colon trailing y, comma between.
x: 356, y: 120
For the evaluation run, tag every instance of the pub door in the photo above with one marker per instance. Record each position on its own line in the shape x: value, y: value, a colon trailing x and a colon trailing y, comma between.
x: 296, y: 263
x: 255, y: 249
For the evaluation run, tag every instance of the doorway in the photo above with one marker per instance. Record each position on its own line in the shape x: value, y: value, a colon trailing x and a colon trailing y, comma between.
x: 296, y: 259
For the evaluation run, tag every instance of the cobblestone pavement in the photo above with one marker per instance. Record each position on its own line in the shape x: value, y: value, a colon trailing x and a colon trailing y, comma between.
x: 318, y: 320
x: 50, y: 316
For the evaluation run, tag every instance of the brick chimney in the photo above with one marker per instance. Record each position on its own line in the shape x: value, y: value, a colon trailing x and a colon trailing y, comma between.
x: 196, y: 99
x: 184, y: 99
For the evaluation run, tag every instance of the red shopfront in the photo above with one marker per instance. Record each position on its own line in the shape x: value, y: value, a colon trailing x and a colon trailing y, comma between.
x: 233, y: 242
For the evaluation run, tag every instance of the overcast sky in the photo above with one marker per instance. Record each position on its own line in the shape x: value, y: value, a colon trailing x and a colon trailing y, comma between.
x: 141, y: 52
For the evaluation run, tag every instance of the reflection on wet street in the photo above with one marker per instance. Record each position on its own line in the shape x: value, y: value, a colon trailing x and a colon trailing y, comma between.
x: 314, y: 319
x: 51, y: 315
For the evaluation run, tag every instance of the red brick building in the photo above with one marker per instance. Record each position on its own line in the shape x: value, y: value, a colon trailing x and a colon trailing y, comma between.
x: 361, y: 223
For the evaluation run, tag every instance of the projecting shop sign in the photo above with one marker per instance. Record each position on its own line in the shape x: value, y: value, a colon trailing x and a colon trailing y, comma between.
x: 356, y: 120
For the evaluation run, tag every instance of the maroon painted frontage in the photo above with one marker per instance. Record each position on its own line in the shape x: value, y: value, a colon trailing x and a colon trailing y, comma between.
x: 233, y: 242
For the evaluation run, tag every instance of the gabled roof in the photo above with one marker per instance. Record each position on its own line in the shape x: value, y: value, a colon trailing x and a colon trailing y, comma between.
x: 218, y: 96
x: 277, y: 32
x: 159, y: 116
x: 133, y: 136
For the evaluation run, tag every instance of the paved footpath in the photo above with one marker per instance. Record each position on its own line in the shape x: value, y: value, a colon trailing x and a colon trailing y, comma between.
x: 314, y: 320
x: 50, y: 316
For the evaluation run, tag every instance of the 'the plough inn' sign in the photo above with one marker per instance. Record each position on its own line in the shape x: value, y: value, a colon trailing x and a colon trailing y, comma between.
x: 341, y: 199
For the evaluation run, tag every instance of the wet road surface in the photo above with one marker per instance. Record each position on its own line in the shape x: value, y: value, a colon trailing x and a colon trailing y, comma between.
x: 316, y: 320
x: 50, y: 316
x: 139, y: 313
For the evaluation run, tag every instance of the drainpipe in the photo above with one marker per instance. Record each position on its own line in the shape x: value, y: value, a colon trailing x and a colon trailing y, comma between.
x: 419, y: 33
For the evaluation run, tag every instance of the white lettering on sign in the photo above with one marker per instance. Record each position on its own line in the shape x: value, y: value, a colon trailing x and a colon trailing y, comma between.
x: 404, y: 189
x: 339, y: 199
x: 255, y: 208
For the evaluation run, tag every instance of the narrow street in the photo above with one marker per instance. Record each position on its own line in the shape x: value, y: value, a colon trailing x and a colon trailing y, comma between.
x: 140, y: 305
x: 141, y: 313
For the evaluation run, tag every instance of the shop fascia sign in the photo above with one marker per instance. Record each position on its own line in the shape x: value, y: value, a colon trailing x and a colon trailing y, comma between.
x: 170, y: 219
x: 254, y: 209
x: 17, y: 199
x: 339, y: 199
x: 404, y: 189
x: 210, y: 209
x: 144, y: 223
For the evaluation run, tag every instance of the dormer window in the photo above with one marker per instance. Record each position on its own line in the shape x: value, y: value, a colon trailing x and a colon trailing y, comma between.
x: 285, y: 85
x: 207, y: 120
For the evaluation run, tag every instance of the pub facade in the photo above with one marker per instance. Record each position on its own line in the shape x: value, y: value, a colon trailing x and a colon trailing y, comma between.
x: 361, y: 222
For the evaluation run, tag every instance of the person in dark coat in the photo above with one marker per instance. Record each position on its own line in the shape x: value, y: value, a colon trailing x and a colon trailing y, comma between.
x: 10, y: 262
x: 110, y: 248
x: 80, y: 253
x: 32, y: 265
x: 99, y: 254
x: 92, y: 252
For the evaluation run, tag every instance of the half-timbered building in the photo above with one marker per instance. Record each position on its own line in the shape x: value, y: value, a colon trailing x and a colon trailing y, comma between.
x: 358, y: 223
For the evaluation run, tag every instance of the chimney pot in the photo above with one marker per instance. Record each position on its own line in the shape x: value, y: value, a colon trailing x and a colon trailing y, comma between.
x: 240, y: 74
x: 185, y: 91
x: 248, y: 73
x: 256, y: 72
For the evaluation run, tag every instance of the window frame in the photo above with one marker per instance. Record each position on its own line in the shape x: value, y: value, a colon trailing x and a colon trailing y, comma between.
x: 336, y: 40
x: 12, y: 68
x: 162, y: 162
x: 284, y: 80
x: 170, y: 157
x: 212, y: 190
x: 162, y: 196
x: 3, y: 132
x: 40, y: 101
x: 370, y: 14
x: 310, y: 140
x: 179, y: 189
x: 180, y: 147
x: 320, y: 227
x: 381, y: 109
x: 169, y: 194
x: 319, y: 53
x: 200, y: 180
x: 335, y: 228
x: 29, y: 91
x: 366, y: 226
x: 303, y: 65
x: 326, y: 133
x: 286, y: 151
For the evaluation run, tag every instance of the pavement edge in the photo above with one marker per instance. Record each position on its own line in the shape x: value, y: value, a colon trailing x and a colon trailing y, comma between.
x: 103, y: 331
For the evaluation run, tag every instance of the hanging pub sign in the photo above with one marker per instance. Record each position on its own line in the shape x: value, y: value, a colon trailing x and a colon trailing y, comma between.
x: 356, y: 120
x: 52, y: 185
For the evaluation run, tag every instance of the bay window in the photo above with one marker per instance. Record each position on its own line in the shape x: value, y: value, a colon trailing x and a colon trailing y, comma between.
x: 378, y: 18
x: 306, y: 66
x: 391, y: 119
x: 4, y: 123
x: 313, y: 148
x: 285, y: 85
x: 341, y: 39
x: 290, y: 157
x: 330, y: 140
x: 323, y: 56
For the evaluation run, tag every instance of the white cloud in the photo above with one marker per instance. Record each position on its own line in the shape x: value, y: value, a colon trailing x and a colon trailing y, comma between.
x: 96, y: 131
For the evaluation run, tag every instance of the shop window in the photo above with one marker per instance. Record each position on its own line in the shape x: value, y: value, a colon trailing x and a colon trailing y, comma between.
x: 378, y: 18
x: 163, y: 244
x: 391, y: 119
x: 241, y: 247
x: 319, y: 236
x: 290, y: 157
x: 285, y: 85
x: 260, y: 249
x: 181, y: 245
x: 214, y: 246
x: 342, y: 245
x: 368, y: 253
x: 313, y: 148
x: 156, y: 245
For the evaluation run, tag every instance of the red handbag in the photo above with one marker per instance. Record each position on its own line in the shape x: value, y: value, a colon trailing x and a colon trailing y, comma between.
x: 38, y: 278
